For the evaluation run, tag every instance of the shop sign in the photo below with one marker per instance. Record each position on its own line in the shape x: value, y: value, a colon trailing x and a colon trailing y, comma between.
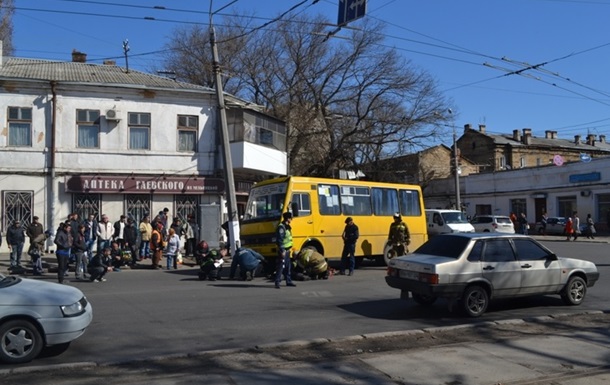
x: 143, y: 184
x: 589, y: 177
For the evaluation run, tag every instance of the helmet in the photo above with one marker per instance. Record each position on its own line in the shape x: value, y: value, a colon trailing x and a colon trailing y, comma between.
x: 397, y: 216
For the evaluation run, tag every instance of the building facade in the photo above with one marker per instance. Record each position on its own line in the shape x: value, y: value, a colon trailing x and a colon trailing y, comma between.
x: 96, y: 139
x: 582, y: 186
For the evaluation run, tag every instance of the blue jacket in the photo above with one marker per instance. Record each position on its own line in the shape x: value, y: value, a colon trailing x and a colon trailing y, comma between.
x: 247, y: 259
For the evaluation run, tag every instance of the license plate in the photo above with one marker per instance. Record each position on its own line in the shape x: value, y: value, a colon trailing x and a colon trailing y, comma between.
x: 406, y: 274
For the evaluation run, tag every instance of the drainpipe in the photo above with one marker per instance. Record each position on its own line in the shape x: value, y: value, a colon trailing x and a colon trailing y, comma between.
x: 53, y: 191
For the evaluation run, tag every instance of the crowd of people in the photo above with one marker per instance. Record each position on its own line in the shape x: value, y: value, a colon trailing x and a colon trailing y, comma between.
x: 98, y: 247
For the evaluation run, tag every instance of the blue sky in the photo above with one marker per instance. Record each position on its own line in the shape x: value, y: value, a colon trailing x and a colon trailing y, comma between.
x: 461, y: 44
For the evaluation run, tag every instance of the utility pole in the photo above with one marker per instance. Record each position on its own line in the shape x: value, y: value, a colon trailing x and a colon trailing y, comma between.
x: 226, y: 147
x: 456, y: 173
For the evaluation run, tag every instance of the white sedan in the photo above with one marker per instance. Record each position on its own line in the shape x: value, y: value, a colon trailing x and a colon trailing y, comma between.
x: 35, y: 314
x: 476, y: 268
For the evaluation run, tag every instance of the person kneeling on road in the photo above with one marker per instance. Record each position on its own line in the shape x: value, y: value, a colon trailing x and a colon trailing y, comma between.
x: 248, y: 261
x: 100, y: 264
x: 211, y: 264
x: 310, y: 265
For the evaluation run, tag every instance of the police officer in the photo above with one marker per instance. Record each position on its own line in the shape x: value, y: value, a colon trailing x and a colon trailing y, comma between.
x: 399, y: 236
x: 283, y: 239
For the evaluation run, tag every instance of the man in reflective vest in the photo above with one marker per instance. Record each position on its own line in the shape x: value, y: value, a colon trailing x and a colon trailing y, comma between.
x: 283, y: 240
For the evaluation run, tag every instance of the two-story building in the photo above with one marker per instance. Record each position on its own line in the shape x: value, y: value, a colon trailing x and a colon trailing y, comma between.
x: 494, y: 152
x: 95, y: 139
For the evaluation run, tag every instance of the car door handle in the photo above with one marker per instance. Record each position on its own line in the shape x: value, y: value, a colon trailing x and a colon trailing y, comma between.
x: 488, y: 268
x: 526, y: 266
x: 309, y: 222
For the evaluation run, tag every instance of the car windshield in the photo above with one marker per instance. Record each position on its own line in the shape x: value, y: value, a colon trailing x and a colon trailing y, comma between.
x: 454, y: 217
x: 450, y: 246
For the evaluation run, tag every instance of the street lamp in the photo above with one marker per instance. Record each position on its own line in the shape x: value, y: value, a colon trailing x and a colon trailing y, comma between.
x: 458, y: 202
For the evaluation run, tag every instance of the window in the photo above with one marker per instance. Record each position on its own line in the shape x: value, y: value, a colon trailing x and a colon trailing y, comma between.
x: 187, y: 132
x: 328, y: 199
x: 88, y: 124
x: 137, y: 206
x: 85, y: 204
x: 566, y: 206
x: 498, y: 251
x: 502, y: 161
x: 385, y: 201
x: 139, y: 131
x: 518, y: 206
x: 303, y: 204
x: 529, y: 251
x: 19, y: 126
x: 522, y: 162
x: 17, y: 205
x: 475, y: 253
x: 187, y: 205
x: 409, y: 203
x: 355, y: 200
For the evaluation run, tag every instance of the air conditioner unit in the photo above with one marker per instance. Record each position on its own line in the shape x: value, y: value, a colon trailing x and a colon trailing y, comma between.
x: 112, y: 114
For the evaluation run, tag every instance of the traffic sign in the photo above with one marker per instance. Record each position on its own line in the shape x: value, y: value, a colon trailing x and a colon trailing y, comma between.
x: 558, y: 160
x: 350, y: 10
x: 585, y: 158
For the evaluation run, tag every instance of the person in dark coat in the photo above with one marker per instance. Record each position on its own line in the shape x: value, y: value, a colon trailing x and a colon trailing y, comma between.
x: 350, y: 237
x: 99, y: 265
x: 63, y: 241
x: 130, y: 234
x: 15, y: 238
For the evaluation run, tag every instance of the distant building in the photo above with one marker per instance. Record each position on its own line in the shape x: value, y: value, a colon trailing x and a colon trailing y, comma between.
x: 419, y: 168
x: 492, y: 152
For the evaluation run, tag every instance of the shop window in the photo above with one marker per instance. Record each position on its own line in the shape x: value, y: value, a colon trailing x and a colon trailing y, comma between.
x: 85, y: 204
x: 137, y: 206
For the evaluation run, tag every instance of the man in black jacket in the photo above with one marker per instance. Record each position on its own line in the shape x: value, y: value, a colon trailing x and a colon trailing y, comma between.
x: 15, y: 238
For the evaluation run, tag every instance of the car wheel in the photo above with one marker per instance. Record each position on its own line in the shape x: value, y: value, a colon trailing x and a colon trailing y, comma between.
x: 388, y: 254
x: 423, y: 300
x: 574, y: 292
x: 20, y: 342
x: 475, y: 301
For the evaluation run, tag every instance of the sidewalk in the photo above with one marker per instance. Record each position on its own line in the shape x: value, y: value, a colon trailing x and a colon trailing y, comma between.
x: 559, y: 350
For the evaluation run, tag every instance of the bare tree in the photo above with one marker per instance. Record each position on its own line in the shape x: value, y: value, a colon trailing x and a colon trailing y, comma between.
x: 7, y: 9
x: 346, y: 102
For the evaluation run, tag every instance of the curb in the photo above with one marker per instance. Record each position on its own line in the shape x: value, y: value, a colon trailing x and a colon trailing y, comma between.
x: 295, y: 343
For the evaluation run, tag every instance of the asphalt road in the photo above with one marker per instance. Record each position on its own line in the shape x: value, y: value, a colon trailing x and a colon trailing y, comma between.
x: 145, y: 313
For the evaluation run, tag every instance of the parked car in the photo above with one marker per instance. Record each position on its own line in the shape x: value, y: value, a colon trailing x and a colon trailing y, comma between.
x: 35, y: 314
x: 554, y: 225
x: 476, y: 268
x: 493, y: 224
x: 447, y: 221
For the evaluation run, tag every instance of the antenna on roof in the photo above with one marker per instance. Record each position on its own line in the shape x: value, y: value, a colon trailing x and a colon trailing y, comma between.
x: 125, y: 50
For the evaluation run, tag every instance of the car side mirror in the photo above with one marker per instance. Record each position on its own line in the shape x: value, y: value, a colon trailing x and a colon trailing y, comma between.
x: 551, y: 257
